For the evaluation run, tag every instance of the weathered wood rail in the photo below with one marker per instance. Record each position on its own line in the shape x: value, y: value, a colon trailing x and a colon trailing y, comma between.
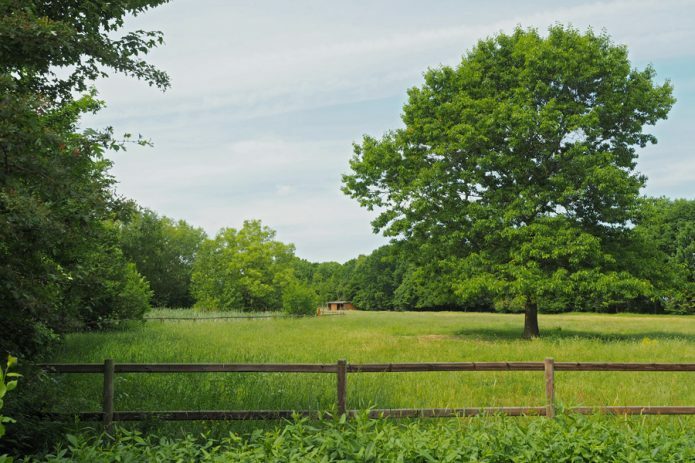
x: 341, y: 369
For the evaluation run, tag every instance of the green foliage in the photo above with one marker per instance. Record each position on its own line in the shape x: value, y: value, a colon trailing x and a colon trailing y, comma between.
x: 299, y: 299
x: 40, y: 36
x: 669, y: 226
x: 163, y: 251
x: 374, y: 278
x: 107, y: 289
x: 245, y: 269
x: 487, y: 439
x: 7, y: 384
x: 329, y: 280
x: 428, y: 286
x: 521, y: 163
x: 60, y: 267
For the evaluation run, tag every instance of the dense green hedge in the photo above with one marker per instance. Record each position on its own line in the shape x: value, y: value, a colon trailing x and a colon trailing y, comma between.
x: 490, y: 439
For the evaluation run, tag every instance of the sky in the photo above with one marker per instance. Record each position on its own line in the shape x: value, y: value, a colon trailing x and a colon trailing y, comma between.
x: 267, y: 98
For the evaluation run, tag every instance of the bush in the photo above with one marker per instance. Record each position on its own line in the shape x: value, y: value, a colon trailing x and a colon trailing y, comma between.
x: 298, y: 299
x: 133, y: 299
x: 109, y: 289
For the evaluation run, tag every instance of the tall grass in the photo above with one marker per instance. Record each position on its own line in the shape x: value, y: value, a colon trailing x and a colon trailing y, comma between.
x: 384, y: 337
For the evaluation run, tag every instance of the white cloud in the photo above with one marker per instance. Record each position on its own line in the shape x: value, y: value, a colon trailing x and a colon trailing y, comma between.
x: 291, y: 72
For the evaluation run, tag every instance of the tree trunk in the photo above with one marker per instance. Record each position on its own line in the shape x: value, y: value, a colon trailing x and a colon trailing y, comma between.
x: 531, y: 320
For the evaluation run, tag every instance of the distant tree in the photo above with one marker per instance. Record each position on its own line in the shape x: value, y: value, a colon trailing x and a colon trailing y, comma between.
x: 163, y: 251
x: 324, y: 278
x: 245, y: 269
x: 375, y: 277
x: 429, y: 286
x: 669, y: 226
x: 304, y: 270
x: 520, y: 162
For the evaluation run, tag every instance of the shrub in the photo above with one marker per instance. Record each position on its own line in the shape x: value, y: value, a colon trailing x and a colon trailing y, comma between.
x: 298, y: 299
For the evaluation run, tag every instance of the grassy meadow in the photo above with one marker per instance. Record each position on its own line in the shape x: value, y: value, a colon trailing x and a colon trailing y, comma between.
x: 383, y: 337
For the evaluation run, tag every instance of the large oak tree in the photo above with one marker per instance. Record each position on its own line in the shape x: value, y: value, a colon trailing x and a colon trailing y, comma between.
x: 520, y: 163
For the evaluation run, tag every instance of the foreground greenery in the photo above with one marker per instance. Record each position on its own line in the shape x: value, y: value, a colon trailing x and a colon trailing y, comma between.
x: 564, y: 439
x: 8, y: 382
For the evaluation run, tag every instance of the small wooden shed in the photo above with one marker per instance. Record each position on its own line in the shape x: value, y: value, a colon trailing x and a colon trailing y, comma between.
x: 340, y: 305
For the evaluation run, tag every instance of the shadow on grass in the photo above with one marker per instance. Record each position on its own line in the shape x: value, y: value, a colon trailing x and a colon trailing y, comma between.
x: 513, y: 333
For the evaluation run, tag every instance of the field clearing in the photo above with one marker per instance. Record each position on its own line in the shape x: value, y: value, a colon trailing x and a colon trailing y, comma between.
x: 383, y: 337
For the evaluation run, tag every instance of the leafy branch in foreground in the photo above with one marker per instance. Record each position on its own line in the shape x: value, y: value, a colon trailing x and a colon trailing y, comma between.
x: 8, y: 382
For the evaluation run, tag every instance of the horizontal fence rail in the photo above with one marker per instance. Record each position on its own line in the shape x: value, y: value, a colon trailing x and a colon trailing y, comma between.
x: 241, y: 317
x: 341, y: 369
x: 275, y: 315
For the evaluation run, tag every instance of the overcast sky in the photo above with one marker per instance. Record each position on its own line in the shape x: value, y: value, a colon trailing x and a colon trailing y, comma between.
x: 268, y: 96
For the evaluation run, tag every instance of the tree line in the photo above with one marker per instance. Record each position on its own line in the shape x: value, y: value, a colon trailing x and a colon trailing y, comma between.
x: 248, y: 270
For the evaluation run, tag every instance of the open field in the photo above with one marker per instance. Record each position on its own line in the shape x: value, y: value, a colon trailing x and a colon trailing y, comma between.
x: 385, y: 337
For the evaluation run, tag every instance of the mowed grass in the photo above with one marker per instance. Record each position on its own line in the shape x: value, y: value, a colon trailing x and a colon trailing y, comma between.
x: 383, y: 337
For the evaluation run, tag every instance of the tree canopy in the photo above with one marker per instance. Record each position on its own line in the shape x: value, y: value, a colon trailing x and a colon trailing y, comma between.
x: 163, y: 251
x: 521, y: 163
x: 669, y: 227
x: 58, y: 47
x: 60, y: 263
x: 244, y: 270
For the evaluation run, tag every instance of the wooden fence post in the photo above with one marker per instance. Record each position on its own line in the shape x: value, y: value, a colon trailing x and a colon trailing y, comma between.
x: 549, y: 364
x: 342, y: 386
x: 108, y: 392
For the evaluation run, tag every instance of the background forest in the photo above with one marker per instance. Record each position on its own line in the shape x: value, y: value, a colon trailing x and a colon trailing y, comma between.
x: 247, y: 269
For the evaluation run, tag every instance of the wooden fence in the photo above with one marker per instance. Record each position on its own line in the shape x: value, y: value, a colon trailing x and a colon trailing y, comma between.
x: 341, y: 369
x: 277, y: 315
